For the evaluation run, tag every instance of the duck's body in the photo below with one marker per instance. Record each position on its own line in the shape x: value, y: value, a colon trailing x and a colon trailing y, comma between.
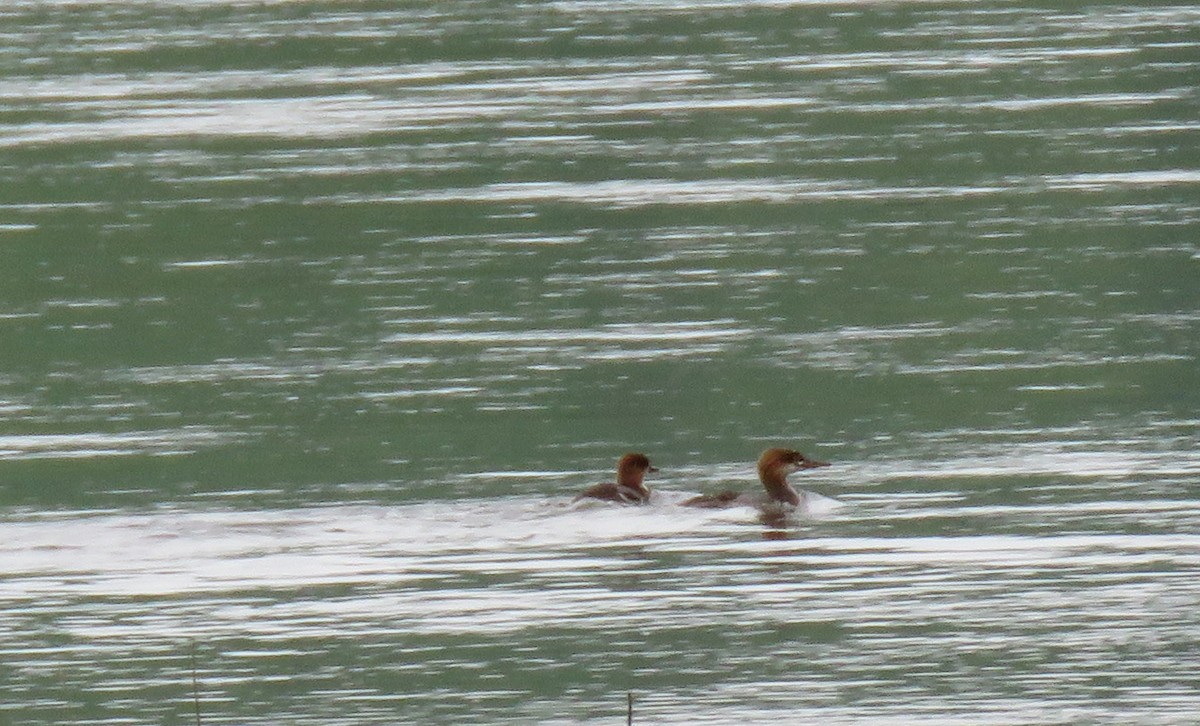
x: 613, y: 492
x: 728, y: 498
x: 629, y: 487
x: 773, y: 467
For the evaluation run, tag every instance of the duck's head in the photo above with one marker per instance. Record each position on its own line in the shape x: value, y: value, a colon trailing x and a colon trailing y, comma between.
x: 632, y: 468
x: 777, y: 462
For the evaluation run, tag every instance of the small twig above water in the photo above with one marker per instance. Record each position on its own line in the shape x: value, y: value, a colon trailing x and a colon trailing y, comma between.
x: 195, y: 685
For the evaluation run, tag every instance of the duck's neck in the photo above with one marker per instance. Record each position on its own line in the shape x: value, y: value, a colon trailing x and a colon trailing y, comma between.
x: 775, y: 482
x: 632, y: 479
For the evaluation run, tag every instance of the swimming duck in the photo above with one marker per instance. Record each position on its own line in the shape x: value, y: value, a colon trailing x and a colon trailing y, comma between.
x: 628, y: 488
x: 773, y: 467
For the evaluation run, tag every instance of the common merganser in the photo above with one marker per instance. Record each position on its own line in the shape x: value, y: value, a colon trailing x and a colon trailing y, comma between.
x: 773, y: 467
x: 628, y: 488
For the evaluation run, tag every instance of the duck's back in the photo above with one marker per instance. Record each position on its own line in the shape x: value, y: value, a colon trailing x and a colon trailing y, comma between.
x: 715, y: 501
x: 612, y: 492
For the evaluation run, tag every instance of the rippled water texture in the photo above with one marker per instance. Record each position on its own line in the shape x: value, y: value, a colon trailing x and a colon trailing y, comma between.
x: 314, y: 316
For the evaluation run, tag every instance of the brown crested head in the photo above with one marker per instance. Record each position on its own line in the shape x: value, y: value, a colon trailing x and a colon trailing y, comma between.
x: 785, y: 461
x: 632, y: 468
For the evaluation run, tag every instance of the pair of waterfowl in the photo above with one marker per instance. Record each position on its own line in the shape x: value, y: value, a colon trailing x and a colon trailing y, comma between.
x: 773, y: 467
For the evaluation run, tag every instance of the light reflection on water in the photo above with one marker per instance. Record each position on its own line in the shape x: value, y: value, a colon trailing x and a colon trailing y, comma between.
x: 1027, y: 610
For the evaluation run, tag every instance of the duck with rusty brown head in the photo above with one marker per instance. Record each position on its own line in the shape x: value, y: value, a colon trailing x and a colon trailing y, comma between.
x: 629, y: 488
x: 773, y: 467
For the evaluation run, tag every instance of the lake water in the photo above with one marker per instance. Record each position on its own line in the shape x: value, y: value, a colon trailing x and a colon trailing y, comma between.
x: 315, y: 315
